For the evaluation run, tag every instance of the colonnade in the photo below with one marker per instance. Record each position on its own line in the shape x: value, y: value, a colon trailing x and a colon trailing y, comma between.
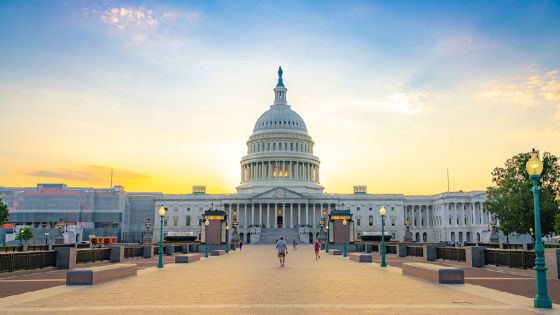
x: 286, y: 170
x: 267, y: 214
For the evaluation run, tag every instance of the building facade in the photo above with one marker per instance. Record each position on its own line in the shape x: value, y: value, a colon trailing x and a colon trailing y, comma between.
x: 279, y: 194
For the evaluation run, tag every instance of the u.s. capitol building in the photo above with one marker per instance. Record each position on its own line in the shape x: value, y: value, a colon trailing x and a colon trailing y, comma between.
x: 279, y: 194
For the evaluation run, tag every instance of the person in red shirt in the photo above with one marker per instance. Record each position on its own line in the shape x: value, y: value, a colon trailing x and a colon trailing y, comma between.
x: 316, y: 245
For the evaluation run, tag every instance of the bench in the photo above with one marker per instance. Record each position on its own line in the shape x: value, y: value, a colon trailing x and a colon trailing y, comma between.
x: 100, y: 274
x: 335, y: 252
x: 188, y: 258
x: 360, y: 257
x: 217, y: 252
x: 434, y: 273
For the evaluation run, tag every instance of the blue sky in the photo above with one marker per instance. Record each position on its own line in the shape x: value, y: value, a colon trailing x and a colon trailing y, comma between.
x: 167, y: 92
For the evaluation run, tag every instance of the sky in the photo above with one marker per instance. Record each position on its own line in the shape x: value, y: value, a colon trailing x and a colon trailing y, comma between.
x: 166, y: 93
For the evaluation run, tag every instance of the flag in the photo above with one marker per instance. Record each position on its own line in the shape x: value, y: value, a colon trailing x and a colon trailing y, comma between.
x: 277, y: 166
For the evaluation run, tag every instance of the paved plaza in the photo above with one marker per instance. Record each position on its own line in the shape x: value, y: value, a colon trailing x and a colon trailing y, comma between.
x: 251, y: 282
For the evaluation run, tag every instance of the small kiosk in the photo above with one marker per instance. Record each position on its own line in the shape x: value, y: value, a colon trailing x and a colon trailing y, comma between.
x: 336, y: 227
x: 217, y: 221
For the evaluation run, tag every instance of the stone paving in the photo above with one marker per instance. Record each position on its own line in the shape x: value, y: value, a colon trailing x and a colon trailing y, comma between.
x: 251, y: 282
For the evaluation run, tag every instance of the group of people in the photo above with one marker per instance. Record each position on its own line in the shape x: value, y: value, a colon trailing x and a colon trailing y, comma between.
x: 454, y: 244
x: 283, y: 249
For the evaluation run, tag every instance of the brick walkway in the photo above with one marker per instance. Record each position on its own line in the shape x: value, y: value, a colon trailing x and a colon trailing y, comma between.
x: 251, y: 282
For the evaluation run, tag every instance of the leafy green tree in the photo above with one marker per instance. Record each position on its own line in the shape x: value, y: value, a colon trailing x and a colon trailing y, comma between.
x: 511, y: 201
x: 25, y: 234
x: 4, y: 214
x: 557, y: 225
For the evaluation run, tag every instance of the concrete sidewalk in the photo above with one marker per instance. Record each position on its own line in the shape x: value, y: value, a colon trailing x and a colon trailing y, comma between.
x: 252, y: 282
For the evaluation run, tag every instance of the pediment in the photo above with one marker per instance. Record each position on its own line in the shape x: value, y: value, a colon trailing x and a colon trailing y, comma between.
x: 279, y: 193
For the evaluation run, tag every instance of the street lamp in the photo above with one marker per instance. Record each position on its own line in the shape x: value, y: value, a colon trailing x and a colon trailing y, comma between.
x: 46, y: 238
x: 382, y: 212
x: 542, y: 300
x: 161, y: 214
x: 327, y: 247
x: 206, y: 223
x: 344, y: 223
x: 227, y: 238
x: 531, y: 230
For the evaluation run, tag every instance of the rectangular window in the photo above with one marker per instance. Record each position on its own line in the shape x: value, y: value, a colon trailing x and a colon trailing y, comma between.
x: 199, y: 223
x: 449, y: 221
x: 274, y: 146
x: 393, y: 221
x: 392, y: 208
x: 393, y: 235
x: 165, y: 209
x: 280, y: 146
x: 286, y: 146
x: 291, y: 147
x: 176, y: 209
x: 358, y: 222
x: 164, y: 222
x: 358, y: 209
x: 174, y: 222
x: 297, y: 146
x: 422, y: 222
x: 457, y: 220
x: 268, y: 147
x: 370, y: 220
x: 188, y: 223
x: 414, y: 221
x: 199, y: 208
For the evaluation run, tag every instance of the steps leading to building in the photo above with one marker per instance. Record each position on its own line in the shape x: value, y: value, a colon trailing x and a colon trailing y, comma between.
x: 270, y: 235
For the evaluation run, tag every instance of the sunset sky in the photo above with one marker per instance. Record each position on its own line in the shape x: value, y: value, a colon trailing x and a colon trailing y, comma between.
x: 166, y: 93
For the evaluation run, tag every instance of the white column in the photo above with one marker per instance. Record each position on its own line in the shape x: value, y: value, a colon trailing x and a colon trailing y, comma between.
x: 291, y: 215
x: 289, y: 171
x: 253, y: 214
x: 299, y: 214
x: 260, y: 214
x: 268, y: 215
x: 245, y: 216
x: 463, y: 214
x: 306, y: 213
x: 274, y: 217
x: 314, y: 221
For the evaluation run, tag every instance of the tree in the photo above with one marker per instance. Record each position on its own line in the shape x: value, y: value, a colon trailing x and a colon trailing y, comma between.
x: 25, y: 234
x: 4, y: 214
x: 557, y: 225
x: 511, y: 201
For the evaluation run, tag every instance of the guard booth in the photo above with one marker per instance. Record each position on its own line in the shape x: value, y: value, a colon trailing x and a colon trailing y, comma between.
x: 216, y: 228
x: 336, y: 227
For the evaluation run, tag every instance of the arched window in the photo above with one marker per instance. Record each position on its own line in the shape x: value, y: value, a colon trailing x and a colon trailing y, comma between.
x: 370, y: 220
x: 268, y: 146
x: 279, y: 145
x: 274, y: 146
x: 291, y: 147
x: 297, y: 145
x: 188, y: 223
x: 286, y: 146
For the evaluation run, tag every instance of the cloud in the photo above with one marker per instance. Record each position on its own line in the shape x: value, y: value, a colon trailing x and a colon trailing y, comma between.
x: 548, y: 132
x: 532, y: 91
x: 409, y: 103
x: 90, y: 173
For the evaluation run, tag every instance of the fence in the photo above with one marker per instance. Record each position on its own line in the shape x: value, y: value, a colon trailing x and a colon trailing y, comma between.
x: 37, y: 247
x: 417, y: 251
x: 131, y: 252
x: 392, y: 249
x: 14, y: 248
x: 451, y: 253
x: 490, y: 245
x: 92, y: 255
x: 522, y: 259
x: 27, y: 260
x: 513, y: 246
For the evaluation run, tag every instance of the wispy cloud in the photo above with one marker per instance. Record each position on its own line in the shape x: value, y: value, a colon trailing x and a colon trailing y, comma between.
x: 90, y: 173
x: 409, y: 103
x: 530, y: 92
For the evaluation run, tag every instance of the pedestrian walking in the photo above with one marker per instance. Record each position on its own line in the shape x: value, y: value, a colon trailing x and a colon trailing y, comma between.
x: 282, y: 250
x: 240, y: 245
x: 316, y: 245
x: 295, y: 245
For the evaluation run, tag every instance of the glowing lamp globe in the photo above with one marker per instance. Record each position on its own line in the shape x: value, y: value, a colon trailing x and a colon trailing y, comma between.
x: 382, y: 211
x: 207, y: 222
x: 161, y: 211
x: 344, y: 222
x: 534, y: 165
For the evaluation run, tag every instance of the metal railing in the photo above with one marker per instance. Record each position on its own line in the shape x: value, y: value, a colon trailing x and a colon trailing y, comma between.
x: 375, y: 247
x: 391, y: 249
x: 92, y: 255
x: 523, y: 259
x: 451, y: 253
x: 37, y: 247
x: 417, y: 251
x: 490, y: 245
x: 14, y: 248
x: 513, y: 246
x: 131, y: 252
x: 10, y: 262
x: 177, y: 249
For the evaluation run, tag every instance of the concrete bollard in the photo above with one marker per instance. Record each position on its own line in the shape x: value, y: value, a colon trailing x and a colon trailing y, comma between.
x: 401, y: 250
x: 185, y: 248
x: 169, y: 250
x: 429, y: 252
x: 66, y: 257
x: 475, y: 256
x: 369, y: 248
x: 148, y: 251
x: 552, y: 260
x: 117, y: 254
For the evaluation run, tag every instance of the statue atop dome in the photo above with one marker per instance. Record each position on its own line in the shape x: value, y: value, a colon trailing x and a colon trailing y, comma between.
x: 280, y: 73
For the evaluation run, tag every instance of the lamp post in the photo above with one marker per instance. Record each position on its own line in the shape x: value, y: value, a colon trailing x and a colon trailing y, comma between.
x: 20, y: 236
x: 46, y: 238
x: 542, y: 300
x: 327, y: 246
x: 532, y: 240
x: 206, y: 223
x: 227, y: 238
x: 382, y: 211
x: 161, y: 214
x: 344, y: 223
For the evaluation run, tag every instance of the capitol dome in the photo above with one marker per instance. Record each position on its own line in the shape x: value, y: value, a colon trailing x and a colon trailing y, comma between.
x: 280, y: 151
x: 280, y: 117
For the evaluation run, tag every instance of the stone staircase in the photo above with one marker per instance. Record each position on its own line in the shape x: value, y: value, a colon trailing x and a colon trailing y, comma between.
x: 270, y: 235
